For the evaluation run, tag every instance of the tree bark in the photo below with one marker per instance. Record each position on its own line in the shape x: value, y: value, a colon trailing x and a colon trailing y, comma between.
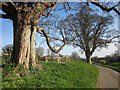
x: 22, y: 41
x: 24, y: 45
x: 33, y: 46
x: 88, y: 57
x: 24, y: 52
x: 89, y: 60
x: 16, y: 43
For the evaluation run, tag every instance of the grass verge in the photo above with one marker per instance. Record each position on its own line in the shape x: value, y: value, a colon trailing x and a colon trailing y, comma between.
x: 115, y: 66
x: 73, y: 74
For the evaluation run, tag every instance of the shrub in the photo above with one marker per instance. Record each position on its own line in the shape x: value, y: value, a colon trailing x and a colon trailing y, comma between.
x: 103, y: 62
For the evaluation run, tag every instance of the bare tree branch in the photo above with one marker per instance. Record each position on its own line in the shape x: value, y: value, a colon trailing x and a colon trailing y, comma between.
x: 14, y: 5
x: 4, y: 16
x: 8, y: 9
x: 57, y: 39
x: 106, y: 8
x: 48, y: 40
x: 46, y: 15
x: 3, y: 3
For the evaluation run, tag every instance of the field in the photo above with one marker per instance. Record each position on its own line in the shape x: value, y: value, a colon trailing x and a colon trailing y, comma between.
x: 73, y: 74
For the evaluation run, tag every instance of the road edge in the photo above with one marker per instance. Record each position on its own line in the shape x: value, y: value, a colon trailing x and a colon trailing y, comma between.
x: 98, y: 79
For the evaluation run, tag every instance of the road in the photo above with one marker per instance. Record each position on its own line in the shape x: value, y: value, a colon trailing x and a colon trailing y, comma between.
x: 108, y: 78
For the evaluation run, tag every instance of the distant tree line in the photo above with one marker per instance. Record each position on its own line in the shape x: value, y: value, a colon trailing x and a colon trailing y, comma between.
x: 40, y: 54
x: 108, y: 59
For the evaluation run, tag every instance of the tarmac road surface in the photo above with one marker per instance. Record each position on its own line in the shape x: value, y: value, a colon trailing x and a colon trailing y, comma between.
x: 108, y: 78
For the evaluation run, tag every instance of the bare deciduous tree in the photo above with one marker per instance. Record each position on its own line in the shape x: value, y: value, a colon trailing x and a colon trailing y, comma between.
x: 48, y: 52
x: 75, y: 55
x: 7, y: 51
x: 91, y: 30
x: 40, y: 51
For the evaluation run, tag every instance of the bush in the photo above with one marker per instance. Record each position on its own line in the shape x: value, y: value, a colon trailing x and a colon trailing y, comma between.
x: 103, y: 62
x: 6, y: 59
x: 7, y: 68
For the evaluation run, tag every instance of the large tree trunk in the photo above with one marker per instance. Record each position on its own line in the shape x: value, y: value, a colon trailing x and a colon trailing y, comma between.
x: 16, y: 43
x: 24, y: 52
x: 88, y: 57
x: 24, y: 46
x: 22, y: 42
x: 33, y: 46
x: 89, y: 60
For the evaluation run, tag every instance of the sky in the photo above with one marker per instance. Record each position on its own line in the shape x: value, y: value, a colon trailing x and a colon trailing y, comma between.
x: 6, y: 31
x: 6, y: 37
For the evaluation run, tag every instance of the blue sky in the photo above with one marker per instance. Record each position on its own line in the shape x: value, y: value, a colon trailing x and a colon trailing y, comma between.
x: 6, y: 34
x: 6, y: 31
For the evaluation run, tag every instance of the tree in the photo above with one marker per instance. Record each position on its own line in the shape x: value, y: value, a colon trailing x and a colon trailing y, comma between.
x: 75, y: 55
x: 91, y: 30
x: 117, y: 52
x: 7, y: 51
x: 48, y: 52
x: 52, y: 54
x: 40, y: 51
x: 25, y: 16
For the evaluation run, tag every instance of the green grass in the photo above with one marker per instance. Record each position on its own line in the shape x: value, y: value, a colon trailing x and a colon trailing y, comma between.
x: 2, y: 61
x: 115, y: 66
x: 73, y: 74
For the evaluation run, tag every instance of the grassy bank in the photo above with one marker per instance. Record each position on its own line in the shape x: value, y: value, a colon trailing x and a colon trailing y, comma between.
x: 115, y: 66
x: 74, y: 74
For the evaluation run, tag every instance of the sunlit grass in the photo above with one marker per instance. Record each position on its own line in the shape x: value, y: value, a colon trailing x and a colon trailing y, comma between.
x: 73, y: 74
